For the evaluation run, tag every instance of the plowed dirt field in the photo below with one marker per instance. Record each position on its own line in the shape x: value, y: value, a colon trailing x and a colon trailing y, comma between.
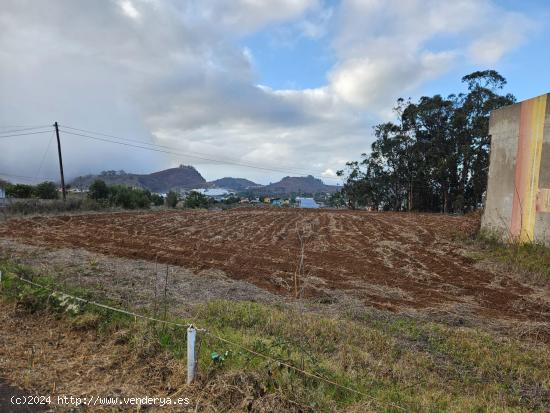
x: 388, y: 260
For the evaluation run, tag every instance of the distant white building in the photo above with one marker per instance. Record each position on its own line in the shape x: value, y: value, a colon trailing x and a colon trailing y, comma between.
x: 216, y: 193
x: 306, y: 203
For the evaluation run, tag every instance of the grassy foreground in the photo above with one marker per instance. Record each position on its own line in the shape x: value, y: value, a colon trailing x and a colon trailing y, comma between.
x: 531, y: 260
x: 397, y: 363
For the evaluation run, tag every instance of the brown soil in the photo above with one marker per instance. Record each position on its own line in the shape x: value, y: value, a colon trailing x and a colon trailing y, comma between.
x: 388, y: 260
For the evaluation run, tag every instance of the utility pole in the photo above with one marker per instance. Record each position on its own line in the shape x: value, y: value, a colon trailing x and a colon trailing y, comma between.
x: 60, y: 161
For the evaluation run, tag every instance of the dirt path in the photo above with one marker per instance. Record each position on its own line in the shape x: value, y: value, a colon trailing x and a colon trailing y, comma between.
x: 388, y: 260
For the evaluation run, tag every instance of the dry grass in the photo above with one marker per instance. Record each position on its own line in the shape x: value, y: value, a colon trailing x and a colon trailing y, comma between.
x: 530, y: 262
x: 394, y: 360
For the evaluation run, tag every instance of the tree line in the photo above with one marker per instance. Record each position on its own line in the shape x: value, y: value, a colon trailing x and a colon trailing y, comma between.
x: 43, y: 190
x: 135, y: 198
x: 123, y: 196
x: 433, y: 157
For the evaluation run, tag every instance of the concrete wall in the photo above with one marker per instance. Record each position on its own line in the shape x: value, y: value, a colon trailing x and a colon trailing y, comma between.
x: 518, y: 193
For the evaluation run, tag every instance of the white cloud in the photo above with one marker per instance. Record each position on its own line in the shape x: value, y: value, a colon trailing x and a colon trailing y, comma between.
x: 243, y: 16
x: 368, y: 82
x: 175, y: 72
x: 316, y: 26
x: 129, y: 9
x: 386, y: 46
x: 506, y: 33
x: 329, y: 173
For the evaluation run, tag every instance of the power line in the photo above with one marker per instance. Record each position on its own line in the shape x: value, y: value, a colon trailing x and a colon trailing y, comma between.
x: 23, y: 177
x: 158, y: 148
x: 44, y: 156
x: 226, y: 160
x: 153, y: 147
x: 26, y: 177
x: 113, y: 136
x: 185, y: 154
x: 24, y: 134
x: 22, y: 128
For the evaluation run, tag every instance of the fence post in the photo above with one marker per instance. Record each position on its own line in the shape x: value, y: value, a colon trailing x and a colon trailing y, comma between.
x: 191, y: 362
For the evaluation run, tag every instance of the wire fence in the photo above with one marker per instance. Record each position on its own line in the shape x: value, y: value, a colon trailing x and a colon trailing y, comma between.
x: 209, y: 334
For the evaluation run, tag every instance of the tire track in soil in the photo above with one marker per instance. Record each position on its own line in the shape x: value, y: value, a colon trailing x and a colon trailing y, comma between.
x: 390, y: 260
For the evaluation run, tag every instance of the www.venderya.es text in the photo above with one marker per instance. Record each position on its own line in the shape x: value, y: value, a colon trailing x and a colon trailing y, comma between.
x: 100, y: 401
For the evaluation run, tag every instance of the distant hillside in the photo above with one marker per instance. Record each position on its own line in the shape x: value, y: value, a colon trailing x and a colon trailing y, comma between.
x: 298, y: 184
x: 187, y: 177
x: 237, y: 184
x: 183, y: 177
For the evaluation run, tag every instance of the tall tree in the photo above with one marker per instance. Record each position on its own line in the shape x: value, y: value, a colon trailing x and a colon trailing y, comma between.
x: 435, y: 156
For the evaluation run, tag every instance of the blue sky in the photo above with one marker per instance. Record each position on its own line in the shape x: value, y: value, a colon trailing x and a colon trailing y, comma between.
x: 302, y: 64
x: 291, y: 85
x: 284, y: 61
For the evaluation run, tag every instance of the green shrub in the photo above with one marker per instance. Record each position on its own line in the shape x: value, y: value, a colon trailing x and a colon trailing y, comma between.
x: 128, y: 198
x: 98, y: 190
x: 156, y: 199
x: 46, y: 190
x: 19, y: 190
x: 171, y: 199
x: 230, y: 200
x: 197, y: 200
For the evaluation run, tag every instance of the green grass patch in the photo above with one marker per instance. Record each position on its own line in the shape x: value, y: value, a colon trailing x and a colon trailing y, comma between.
x: 391, y: 360
x: 530, y: 258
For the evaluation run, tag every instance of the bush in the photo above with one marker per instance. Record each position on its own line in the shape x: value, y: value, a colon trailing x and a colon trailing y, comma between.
x: 197, y: 200
x: 156, y: 199
x: 98, y: 190
x: 129, y: 198
x: 123, y: 196
x: 171, y: 199
x: 231, y: 200
x: 19, y: 191
x: 46, y: 190
x: 337, y: 200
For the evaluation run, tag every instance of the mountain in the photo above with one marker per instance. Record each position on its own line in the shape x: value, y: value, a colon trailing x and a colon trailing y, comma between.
x: 299, y: 184
x: 236, y: 184
x: 187, y: 177
x: 183, y: 177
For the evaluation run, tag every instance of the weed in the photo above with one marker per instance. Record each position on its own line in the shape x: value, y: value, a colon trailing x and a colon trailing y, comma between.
x: 86, y: 321
x: 389, y: 359
x: 531, y: 259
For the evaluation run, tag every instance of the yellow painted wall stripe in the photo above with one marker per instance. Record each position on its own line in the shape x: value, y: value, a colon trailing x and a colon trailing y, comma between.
x: 528, y: 163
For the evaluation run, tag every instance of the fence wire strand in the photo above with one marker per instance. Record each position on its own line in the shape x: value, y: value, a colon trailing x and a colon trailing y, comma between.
x: 215, y: 336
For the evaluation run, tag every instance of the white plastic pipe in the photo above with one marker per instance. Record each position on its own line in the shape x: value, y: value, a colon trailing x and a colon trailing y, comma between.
x: 191, y: 361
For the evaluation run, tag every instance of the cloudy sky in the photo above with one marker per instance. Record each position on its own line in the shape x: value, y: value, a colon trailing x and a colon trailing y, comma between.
x: 291, y: 86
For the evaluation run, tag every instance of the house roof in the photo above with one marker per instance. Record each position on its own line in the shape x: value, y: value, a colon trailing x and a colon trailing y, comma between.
x: 307, y: 203
x: 213, y: 191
